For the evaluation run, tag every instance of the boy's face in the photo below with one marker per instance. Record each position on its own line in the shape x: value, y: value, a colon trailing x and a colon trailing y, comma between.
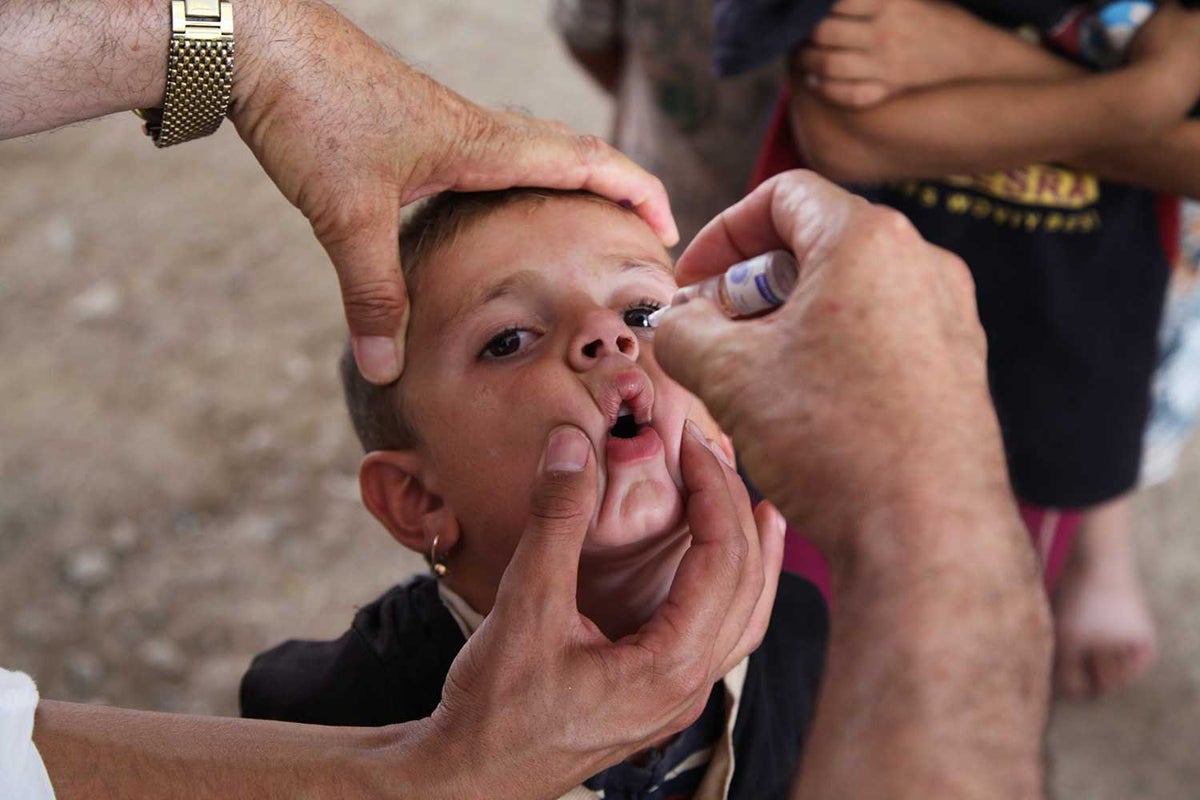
x: 534, y: 317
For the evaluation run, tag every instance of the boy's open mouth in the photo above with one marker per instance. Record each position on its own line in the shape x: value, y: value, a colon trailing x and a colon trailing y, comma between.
x: 626, y: 427
x: 629, y: 401
x: 631, y: 441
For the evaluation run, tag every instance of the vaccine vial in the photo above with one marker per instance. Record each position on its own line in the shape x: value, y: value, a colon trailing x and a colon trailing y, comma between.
x: 748, y: 288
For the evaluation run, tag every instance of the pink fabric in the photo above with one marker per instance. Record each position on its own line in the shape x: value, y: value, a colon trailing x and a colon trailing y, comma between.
x: 801, y: 557
x: 1052, y: 532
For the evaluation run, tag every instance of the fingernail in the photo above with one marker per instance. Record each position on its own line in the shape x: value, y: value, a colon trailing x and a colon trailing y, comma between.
x: 712, y: 446
x: 567, y: 451
x: 720, y: 453
x: 377, y: 358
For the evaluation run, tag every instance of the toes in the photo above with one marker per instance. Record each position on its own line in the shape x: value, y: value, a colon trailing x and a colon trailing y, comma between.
x: 1112, y: 665
x: 1117, y: 666
x: 1147, y: 657
x: 1071, y: 673
x: 1141, y: 658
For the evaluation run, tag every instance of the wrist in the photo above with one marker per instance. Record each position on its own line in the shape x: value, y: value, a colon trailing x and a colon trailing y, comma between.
x: 1130, y: 105
x: 281, y: 51
x: 147, y: 37
x: 919, y: 509
x: 1168, y: 92
x: 1008, y: 54
x: 391, y: 761
x: 264, y: 33
x: 438, y: 758
x: 485, y: 756
x: 920, y: 569
x: 941, y: 530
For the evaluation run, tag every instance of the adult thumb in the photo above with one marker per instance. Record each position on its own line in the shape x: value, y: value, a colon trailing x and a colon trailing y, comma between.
x: 693, y: 343
x: 367, y: 260
x: 545, y: 565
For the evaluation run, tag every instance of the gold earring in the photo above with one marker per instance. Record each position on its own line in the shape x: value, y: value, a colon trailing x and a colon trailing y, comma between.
x: 436, y: 562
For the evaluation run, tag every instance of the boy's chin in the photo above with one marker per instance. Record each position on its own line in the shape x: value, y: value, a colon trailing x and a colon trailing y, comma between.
x: 640, y: 512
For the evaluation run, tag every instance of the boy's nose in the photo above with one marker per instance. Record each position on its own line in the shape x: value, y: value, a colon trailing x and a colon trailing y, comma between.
x: 602, y: 333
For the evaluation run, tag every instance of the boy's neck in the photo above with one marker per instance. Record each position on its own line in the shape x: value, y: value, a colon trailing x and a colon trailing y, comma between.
x: 619, y: 591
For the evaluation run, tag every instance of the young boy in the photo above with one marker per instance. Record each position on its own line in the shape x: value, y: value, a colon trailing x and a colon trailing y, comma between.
x: 529, y: 310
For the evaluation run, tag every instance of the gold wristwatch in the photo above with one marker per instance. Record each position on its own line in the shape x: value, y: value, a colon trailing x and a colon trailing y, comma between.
x: 199, y: 73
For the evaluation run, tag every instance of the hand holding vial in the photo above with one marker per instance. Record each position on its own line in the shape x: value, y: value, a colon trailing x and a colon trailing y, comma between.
x: 860, y: 407
x: 879, y: 345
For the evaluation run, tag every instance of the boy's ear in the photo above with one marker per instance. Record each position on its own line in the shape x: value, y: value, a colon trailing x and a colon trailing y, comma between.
x: 395, y: 492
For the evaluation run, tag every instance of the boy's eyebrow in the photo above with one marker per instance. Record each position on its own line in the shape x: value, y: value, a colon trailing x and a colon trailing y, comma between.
x: 651, y: 265
x: 484, y: 295
x: 526, y: 278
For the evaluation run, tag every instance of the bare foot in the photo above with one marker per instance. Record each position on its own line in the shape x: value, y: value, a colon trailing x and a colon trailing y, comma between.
x: 1105, y: 636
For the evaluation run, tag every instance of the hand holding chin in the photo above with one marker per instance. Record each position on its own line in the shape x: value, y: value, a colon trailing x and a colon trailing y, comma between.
x: 635, y: 691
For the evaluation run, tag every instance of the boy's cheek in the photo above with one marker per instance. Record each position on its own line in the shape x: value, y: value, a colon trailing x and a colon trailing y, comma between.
x: 668, y: 395
x: 495, y: 506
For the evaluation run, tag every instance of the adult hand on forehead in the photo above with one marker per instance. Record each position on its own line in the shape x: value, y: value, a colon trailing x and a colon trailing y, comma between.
x: 540, y: 694
x: 350, y: 134
x: 867, y: 386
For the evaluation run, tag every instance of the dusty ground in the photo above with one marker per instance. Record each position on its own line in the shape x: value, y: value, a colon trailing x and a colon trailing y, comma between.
x: 177, y: 479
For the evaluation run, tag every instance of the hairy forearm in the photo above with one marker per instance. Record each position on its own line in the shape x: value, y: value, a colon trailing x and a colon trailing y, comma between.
x: 969, y: 127
x: 64, y: 61
x: 937, y: 675
x: 92, y: 751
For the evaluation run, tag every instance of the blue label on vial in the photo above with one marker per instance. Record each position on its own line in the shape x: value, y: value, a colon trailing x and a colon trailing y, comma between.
x: 764, y: 288
x: 739, y: 272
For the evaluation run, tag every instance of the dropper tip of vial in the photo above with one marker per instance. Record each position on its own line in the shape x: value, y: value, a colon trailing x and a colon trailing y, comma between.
x: 656, y: 316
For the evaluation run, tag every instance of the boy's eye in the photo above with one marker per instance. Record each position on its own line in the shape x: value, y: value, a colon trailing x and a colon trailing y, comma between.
x: 638, y: 315
x: 505, y: 343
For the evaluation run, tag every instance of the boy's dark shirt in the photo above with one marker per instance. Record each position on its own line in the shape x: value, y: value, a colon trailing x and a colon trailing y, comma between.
x: 390, y: 667
x: 1071, y: 318
x: 672, y: 772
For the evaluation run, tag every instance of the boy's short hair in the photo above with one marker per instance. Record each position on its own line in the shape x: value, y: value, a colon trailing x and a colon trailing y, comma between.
x: 377, y: 412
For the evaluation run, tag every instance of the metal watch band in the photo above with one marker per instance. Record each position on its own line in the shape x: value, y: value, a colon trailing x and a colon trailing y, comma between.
x: 199, y: 73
